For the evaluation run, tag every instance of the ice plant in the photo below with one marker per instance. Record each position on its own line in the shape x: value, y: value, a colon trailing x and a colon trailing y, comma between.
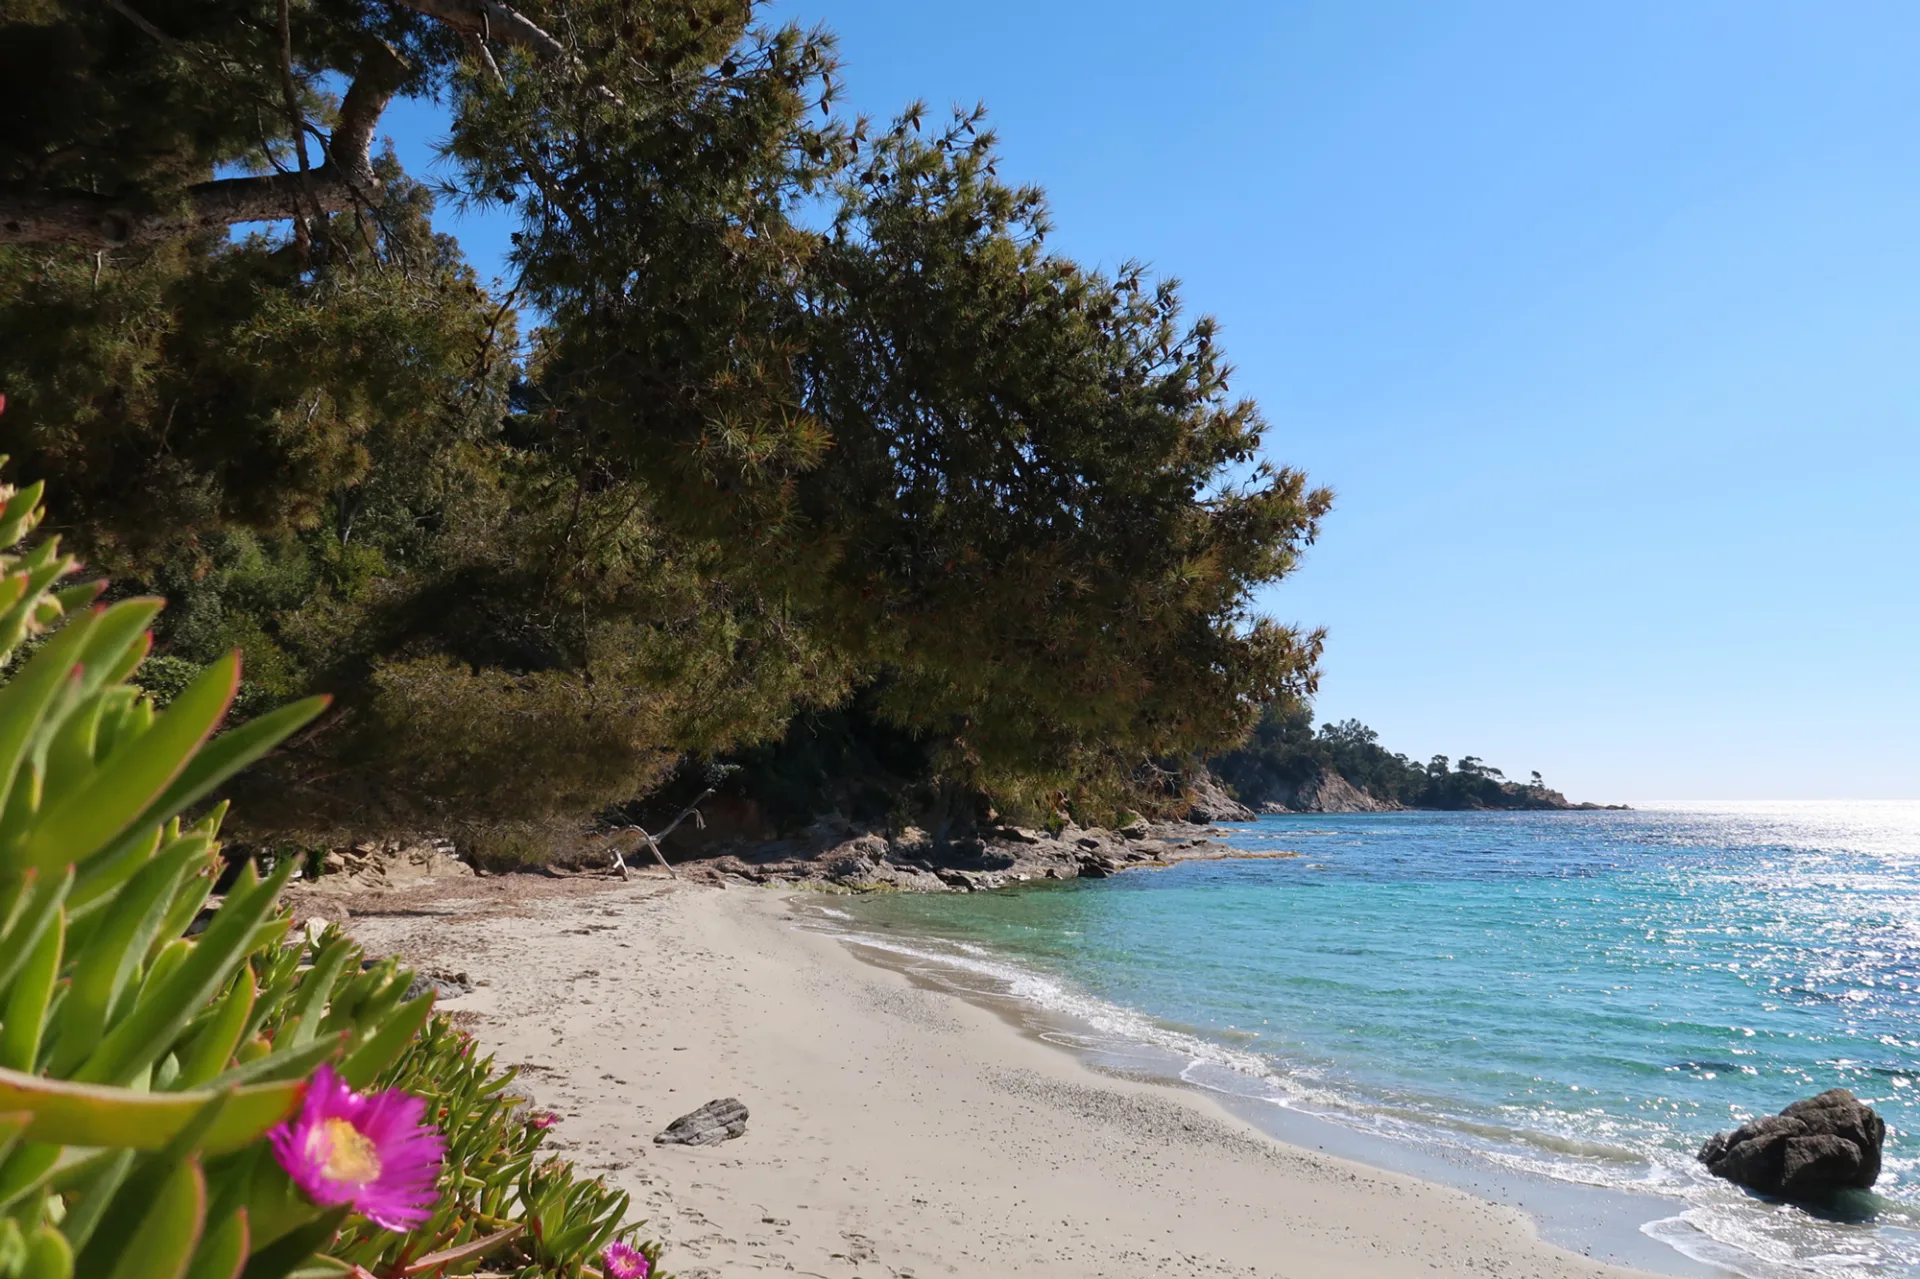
x: 372, y: 1152
x: 624, y: 1261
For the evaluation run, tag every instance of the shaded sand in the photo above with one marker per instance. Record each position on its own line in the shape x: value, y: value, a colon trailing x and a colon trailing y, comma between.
x: 895, y: 1131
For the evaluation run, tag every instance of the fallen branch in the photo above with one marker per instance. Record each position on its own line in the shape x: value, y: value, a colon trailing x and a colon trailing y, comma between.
x: 652, y: 841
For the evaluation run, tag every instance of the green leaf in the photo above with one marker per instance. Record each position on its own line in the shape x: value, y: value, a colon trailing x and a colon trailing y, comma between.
x: 27, y: 1002
x: 99, y: 877
x: 163, y: 1243
x: 70, y: 751
x: 127, y: 717
x: 130, y: 662
x: 213, y: 1047
x: 72, y: 1114
x: 27, y: 695
x: 12, y: 1127
x: 83, y: 824
x: 49, y: 1255
x: 223, y: 1251
x: 310, y: 997
x: 90, y: 1191
x: 170, y: 957
x: 383, y: 1047
x: 295, y: 1248
x: 42, y: 893
x: 119, y: 630
x: 153, y: 1025
x: 188, y: 898
x: 281, y: 1063
x: 74, y: 598
x: 112, y: 953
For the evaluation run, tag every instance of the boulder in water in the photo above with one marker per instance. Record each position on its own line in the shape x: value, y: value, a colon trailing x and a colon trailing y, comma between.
x: 1808, y: 1151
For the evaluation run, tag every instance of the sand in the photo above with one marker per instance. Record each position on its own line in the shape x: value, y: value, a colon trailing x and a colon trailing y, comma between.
x: 895, y: 1130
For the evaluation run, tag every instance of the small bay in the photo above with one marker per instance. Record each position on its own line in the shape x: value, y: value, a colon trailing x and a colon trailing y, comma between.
x: 1583, y: 997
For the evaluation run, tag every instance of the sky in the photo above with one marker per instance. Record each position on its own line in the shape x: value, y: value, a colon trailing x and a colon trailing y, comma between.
x: 1601, y: 318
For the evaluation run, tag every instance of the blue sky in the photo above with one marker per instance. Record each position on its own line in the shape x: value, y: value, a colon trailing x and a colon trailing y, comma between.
x: 1602, y: 318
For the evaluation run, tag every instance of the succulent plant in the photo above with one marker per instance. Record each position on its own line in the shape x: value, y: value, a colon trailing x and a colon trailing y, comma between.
x: 185, y: 1093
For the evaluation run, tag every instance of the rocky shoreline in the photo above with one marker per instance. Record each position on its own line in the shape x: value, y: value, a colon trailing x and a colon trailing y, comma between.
x: 837, y: 856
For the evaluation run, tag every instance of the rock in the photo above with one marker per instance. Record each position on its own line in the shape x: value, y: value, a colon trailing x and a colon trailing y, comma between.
x: 911, y: 843
x: 332, y: 864
x: 444, y: 985
x: 1325, y: 791
x: 1808, y: 1151
x: 717, y: 1121
x: 1210, y: 803
x: 1135, y: 829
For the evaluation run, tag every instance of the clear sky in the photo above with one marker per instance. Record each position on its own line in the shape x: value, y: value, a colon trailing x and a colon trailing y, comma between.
x: 1602, y: 318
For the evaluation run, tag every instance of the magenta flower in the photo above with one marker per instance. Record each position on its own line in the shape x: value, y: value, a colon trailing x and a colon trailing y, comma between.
x: 375, y: 1153
x: 624, y: 1261
x: 545, y: 1119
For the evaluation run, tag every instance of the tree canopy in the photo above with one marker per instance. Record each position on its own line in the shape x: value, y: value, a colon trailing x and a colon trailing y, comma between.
x: 1283, y: 753
x: 781, y: 414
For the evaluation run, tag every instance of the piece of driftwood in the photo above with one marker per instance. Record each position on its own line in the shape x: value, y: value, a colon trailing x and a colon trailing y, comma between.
x: 717, y: 1121
x: 691, y: 810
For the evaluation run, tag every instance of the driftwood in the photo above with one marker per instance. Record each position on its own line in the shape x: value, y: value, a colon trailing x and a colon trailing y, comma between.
x: 717, y: 1121
x: 652, y: 841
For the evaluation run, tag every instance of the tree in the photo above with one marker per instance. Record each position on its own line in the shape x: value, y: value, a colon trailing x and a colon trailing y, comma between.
x: 892, y: 454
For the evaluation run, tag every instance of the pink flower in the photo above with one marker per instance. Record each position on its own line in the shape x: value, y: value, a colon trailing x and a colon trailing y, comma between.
x: 545, y: 1119
x: 624, y: 1261
x: 375, y: 1153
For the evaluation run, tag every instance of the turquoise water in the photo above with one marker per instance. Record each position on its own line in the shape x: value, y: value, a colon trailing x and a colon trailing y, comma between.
x: 1584, y: 996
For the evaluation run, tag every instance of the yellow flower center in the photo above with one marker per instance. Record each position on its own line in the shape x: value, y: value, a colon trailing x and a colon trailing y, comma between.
x: 351, y: 1157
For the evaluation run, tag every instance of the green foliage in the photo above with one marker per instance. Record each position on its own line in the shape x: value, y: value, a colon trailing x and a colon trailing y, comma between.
x: 143, y: 1061
x: 813, y: 416
x: 1283, y: 752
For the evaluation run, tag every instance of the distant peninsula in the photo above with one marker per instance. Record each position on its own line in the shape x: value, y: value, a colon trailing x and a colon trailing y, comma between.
x: 1285, y: 766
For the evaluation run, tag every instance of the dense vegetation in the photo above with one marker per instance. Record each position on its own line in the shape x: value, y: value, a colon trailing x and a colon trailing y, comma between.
x: 188, y: 1093
x: 1284, y: 753
x: 784, y: 419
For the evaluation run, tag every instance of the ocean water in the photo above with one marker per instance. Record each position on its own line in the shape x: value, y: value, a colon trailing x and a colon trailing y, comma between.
x: 1583, y: 997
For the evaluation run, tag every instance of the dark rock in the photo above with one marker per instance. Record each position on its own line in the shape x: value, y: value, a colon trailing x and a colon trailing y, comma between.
x: 715, y: 1122
x: 444, y: 985
x: 1808, y: 1151
x: 1095, y: 868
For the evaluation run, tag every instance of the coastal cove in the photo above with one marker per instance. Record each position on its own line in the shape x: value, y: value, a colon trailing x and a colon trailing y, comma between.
x: 1487, y: 997
x: 894, y: 1130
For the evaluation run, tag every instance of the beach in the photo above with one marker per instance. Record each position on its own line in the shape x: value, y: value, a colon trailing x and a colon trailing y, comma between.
x: 894, y: 1130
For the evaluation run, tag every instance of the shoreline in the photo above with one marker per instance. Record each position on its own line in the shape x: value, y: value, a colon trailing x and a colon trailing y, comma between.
x: 895, y: 1130
x: 1607, y: 1224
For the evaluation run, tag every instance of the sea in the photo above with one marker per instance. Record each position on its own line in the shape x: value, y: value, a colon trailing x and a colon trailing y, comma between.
x: 1552, y: 1009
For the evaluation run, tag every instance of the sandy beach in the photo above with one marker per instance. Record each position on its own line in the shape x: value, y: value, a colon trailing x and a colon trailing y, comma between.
x: 895, y: 1131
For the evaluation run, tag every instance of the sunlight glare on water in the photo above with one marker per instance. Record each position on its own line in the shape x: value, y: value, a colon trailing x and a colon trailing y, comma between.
x: 1584, y: 995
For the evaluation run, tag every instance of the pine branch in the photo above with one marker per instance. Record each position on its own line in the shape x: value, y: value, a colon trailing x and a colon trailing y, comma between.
x: 37, y: 216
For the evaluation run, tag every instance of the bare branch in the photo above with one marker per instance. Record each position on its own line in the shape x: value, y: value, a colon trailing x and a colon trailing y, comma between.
x: 32, y: 216
x: 297, y: 121
x: 484, y: 21
x: 491, y: 20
